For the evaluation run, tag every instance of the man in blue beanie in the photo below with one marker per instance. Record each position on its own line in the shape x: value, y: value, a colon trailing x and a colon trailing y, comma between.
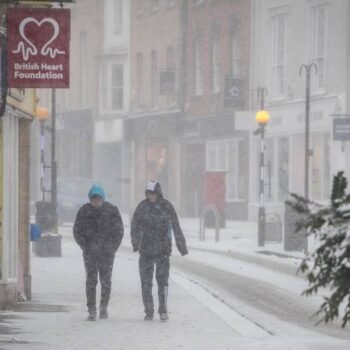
x: 98, y: 230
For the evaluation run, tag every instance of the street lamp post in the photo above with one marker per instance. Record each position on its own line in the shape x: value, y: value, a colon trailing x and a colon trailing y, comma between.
x: 307, y: 68
x: 53, y: 162
x: 262, y: 117
x: 46, y: 211
x: 42, y: 113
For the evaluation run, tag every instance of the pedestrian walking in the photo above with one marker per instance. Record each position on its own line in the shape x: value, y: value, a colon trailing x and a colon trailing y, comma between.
x: 98, y: 230
x: 152, y: 226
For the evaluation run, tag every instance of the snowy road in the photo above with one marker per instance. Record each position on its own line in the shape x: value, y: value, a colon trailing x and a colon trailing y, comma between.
x: 268, y: 298
x: 55, y: 319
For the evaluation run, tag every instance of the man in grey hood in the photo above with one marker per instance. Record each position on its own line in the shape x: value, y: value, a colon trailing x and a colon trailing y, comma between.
x: 152, y: 225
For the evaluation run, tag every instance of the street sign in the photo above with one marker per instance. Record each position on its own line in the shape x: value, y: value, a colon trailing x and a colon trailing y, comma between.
x: 38, y: 47
x: 341, y: 129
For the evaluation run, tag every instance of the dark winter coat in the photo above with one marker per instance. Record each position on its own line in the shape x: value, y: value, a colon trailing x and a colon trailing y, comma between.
x: 99, y: 229
x: 152, y: 226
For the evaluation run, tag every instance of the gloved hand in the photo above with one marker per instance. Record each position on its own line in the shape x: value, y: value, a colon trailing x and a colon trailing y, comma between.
x: 184, y: 253
x: 135, y: 249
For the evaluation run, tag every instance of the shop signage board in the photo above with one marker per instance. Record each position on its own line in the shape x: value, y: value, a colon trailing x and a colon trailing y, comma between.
x: 38, y: 47
x: 341, y: 129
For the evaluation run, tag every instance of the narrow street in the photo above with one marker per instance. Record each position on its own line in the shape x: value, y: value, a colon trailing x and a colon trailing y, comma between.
x: 219, y: 311
x: 274, y: 302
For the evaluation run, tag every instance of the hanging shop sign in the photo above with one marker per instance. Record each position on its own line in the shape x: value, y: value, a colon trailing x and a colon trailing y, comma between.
x: 38, y: 47
x: 234, y: 92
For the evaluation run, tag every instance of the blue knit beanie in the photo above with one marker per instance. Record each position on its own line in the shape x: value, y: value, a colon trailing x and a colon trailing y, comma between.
x: 96, y: 190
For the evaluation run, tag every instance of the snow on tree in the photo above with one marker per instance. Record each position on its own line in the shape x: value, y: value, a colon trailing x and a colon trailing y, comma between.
x: 327, y: 265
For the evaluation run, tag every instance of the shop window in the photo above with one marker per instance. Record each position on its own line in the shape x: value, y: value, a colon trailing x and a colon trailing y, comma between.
x: 229, y: 156
x: 216, y: 156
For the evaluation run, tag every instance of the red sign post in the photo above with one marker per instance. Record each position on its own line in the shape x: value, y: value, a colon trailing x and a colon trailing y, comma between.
x: 38, y: 47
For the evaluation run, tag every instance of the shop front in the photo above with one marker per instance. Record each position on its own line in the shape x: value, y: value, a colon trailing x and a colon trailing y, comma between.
x: 216, y: 167
x: 285, y: 155
x: 155, y: 152
x: 9, y: 213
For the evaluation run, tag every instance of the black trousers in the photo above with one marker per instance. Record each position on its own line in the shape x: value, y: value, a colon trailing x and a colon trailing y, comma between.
x: 98, y: 264
x: 146, y: 268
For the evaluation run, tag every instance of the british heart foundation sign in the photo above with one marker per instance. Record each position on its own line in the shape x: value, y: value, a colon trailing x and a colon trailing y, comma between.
x: 38, y: 47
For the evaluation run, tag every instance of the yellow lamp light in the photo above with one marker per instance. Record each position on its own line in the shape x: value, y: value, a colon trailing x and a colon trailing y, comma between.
x: 262, y: 117
x: 42, y: 113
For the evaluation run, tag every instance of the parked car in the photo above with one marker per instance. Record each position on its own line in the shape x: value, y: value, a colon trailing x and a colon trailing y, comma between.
x: 72, y: 193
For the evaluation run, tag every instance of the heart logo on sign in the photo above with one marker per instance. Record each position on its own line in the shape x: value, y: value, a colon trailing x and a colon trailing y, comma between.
x: 32, y: 49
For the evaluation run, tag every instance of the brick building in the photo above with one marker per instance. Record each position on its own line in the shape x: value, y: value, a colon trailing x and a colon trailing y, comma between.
x: 153, y: 127
x: 217, y: 85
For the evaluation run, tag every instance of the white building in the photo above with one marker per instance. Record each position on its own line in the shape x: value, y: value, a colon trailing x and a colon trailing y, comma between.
x: 286, y: 35
x: 113, y: 99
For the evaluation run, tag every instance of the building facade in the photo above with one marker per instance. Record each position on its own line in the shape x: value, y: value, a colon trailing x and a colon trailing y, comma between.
x: 15, y: 122
x: 153, y: 127
x: 287, y: 36
x: 217, y: 86
x: 111, y: 157
x: 76, y: 107
x: 14, y: 193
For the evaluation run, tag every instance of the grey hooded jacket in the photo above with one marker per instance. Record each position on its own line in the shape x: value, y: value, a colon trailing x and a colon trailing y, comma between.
x: 152, y: 227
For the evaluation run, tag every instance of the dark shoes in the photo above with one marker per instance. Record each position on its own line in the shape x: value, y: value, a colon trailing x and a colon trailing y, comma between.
x: 164, y: 316
x: 103, y: 312
x: 148, y: 318
x: 91, y: 317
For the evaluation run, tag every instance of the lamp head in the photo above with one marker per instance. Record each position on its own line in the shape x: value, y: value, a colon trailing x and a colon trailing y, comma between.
x: 42, y: 113
x: 262, y: 117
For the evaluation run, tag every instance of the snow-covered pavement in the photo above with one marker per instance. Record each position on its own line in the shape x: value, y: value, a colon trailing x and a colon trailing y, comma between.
x: 60, y: 282
x: 55, y: 318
